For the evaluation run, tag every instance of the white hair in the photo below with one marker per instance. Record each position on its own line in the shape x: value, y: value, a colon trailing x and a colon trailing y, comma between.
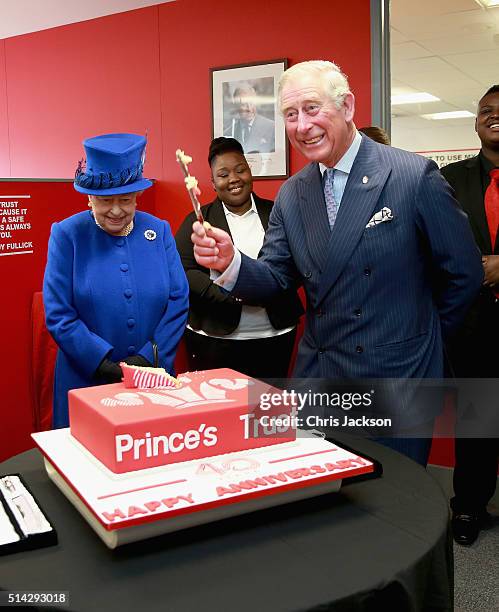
x: 334, y: 81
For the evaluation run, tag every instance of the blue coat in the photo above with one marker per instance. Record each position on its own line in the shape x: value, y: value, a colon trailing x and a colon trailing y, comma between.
x: 378, y: 298
x: 110, y: 296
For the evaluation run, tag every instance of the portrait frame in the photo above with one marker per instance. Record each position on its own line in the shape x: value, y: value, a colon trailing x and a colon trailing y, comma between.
x: 244, y: 107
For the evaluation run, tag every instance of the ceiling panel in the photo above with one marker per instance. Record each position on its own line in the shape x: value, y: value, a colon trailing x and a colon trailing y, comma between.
x: 399, y: 9
x: 23, y: 16
x: 411, y: 50
x: 397, y: 37
x: 449, y: 48
x: 474, y: 60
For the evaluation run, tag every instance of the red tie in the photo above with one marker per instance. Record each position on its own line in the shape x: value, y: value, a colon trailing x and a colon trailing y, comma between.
x: 492, y: 209
x: 492, y: 205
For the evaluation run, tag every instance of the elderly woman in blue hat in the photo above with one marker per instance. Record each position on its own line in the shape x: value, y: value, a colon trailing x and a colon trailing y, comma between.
x: 114, y: 288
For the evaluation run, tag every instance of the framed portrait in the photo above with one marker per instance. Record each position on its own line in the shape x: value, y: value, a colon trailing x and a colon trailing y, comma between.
x: 244, y: 107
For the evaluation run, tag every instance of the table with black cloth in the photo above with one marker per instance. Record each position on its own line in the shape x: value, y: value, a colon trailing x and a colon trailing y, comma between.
x: 380, y: 544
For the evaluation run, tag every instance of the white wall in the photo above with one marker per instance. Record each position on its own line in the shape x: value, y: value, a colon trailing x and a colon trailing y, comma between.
x: 415, y: 134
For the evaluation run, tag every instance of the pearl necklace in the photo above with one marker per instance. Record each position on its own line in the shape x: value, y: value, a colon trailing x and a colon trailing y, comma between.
x: 127, y: 230
x: 124, y: 232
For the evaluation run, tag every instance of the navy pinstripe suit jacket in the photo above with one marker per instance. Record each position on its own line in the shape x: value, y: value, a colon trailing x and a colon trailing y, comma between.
x: 378, y: 298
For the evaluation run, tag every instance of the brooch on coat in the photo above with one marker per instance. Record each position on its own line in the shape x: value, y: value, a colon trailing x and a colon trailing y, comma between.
x: 150, y: 234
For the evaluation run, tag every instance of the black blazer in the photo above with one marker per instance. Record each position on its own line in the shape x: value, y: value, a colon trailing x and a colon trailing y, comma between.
x: 212, y: 309
x: 466, y: 180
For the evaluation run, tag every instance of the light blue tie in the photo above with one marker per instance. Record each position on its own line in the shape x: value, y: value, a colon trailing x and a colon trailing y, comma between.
x: 331, y: 205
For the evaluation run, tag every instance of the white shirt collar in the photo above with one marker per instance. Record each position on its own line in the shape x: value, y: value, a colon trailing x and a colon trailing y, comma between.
x: 346, y: 162
x: 248, y: 212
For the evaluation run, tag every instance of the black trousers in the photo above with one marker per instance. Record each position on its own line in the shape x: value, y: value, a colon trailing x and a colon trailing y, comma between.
x: 475, y: 474
x: 474, y: 355
x: 262, y: 358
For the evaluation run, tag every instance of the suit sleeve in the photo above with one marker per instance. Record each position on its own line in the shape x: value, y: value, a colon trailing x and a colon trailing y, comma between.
x: 261, y: 280
x: 455, y: 258
x: 171, y: 326
x: 83, y: 348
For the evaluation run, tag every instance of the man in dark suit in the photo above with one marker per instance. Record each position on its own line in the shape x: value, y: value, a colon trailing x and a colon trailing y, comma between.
x: 473, y: 351
x: 223, y: 331
x: 384, y: 253
x: 255, y: 132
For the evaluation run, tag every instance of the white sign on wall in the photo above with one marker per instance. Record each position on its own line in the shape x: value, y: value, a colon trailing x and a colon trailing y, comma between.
x: 15, y: 225
x: 449, y: 156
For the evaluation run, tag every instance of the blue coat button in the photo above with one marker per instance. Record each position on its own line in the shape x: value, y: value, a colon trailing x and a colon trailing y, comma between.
x: 128, y: 293
x: 130, y: 322
x: 124, y: 267
x: 120, y: 242
x: 131, y: 350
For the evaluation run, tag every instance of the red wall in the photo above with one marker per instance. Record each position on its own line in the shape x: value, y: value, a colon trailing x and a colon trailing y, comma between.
x: 71, y: 82
x: 4, y: 130
x: 149, y: 70
x: 23, y: 275
x: 144, y: 70
x: 196, y: 35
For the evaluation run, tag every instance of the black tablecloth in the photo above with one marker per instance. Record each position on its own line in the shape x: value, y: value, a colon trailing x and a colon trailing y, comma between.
x: 381, y: 544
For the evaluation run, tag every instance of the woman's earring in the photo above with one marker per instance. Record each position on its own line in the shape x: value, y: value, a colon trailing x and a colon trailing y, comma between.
x: 89, y: 203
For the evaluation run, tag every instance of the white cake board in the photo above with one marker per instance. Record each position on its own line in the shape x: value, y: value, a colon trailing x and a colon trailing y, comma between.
x: 124, y: 508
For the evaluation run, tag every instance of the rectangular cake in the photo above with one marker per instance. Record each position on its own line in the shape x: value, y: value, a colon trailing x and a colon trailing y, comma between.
x: 212, y: 412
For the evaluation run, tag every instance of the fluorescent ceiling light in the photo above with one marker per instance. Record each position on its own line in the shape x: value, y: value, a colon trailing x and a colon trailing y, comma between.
x: 414, y: 98
x: 487, y: 3
x: 462, y: 114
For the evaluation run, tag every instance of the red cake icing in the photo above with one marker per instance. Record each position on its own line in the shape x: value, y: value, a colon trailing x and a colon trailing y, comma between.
x: 213, y: 412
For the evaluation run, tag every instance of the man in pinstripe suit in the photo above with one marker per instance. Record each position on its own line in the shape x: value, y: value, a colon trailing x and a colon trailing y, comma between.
x: 373, y: 234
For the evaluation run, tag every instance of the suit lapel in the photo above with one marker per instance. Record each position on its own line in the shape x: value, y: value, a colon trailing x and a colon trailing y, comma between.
x: 263, y: 211
x: 217, y: 216
x: 313, y: 213
x: 473, y: 203
x: 357, y: 205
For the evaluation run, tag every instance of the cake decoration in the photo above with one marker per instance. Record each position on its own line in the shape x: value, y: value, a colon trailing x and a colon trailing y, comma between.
x: 213, y: 412
x: 137, y: 377
x: 191, y: 183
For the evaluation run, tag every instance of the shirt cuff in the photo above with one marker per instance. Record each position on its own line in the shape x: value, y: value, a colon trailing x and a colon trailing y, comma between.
x: 227, y: 280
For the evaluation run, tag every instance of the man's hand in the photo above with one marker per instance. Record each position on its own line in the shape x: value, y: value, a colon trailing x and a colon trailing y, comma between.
x: 213, y: 247
x: 491, y: 269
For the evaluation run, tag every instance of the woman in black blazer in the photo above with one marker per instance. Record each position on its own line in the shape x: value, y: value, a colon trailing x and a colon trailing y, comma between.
x: 256, y: 339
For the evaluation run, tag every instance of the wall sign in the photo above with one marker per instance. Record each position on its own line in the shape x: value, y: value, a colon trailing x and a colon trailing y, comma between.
x: 16, y: 236
x: 449, y: 156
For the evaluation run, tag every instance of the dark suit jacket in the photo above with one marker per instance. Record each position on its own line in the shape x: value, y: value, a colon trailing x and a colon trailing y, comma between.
x: 261, y: 138
x: 466, y: 180
x: 212, y: 309
x: 378, y: 298
x: 470, y: 352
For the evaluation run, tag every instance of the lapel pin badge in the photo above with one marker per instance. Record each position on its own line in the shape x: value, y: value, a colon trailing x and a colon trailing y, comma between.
x: 150, y: 234
x: 365, y: 179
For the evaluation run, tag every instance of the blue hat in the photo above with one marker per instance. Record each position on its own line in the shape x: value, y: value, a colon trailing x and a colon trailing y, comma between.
x: 114, y: 165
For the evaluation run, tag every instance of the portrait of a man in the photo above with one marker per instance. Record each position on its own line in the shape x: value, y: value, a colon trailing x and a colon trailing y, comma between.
x: 249, y: 114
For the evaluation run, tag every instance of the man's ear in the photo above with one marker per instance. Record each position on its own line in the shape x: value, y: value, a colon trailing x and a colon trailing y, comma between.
x: 349, y: 106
